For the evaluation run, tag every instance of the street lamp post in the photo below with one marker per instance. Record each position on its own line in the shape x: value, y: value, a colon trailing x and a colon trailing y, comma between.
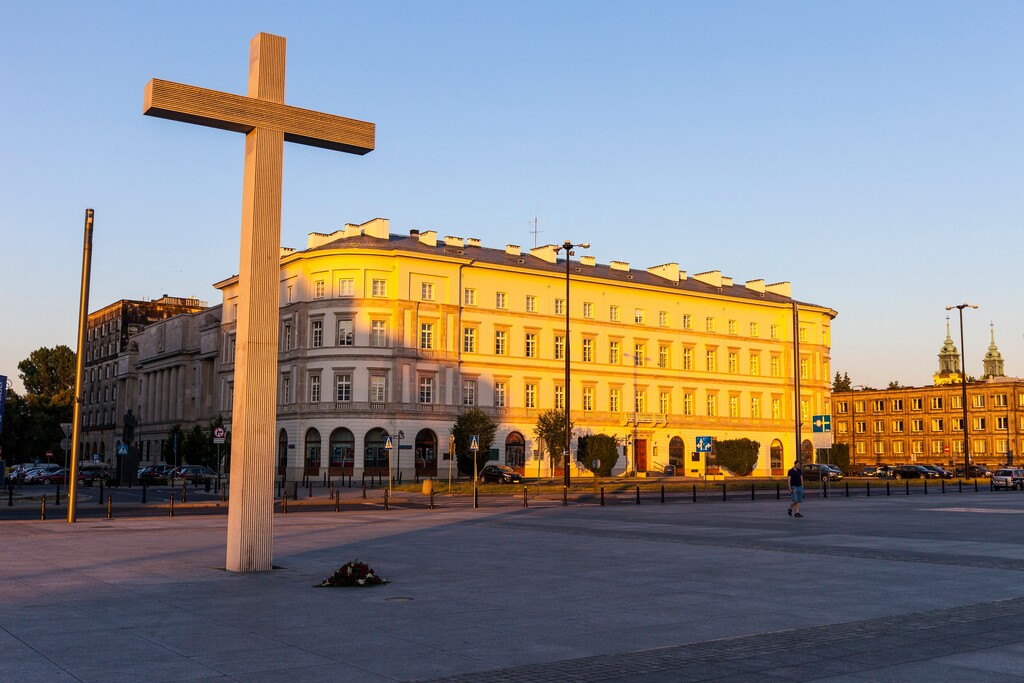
x: 963, y: 382
x: 568, y: 247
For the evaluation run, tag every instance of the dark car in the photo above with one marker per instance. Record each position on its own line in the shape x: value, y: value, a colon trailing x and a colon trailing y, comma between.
x: 501, y: 474
x: 940, y: 472
x: 153, y: 472
x: 60, y: 476
x: 195, y: 473
x: 913, y: 472
x: 814, y: 471
x: 92, y: 474
x: 975, y: 472
x: 869, y: 472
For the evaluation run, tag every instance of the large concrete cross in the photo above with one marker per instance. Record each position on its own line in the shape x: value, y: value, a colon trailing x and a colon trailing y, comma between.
x: 267, y: 122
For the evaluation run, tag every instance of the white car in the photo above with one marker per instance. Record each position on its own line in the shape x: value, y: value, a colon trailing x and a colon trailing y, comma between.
x: 1008, y: 479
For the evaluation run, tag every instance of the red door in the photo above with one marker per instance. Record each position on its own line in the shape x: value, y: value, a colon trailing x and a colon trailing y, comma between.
x: 641, y: 455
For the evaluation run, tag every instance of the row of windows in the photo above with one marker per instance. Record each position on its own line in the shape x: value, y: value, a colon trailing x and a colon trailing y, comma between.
x: 917, y: 403
x: 379, y: 288
x: 936, y: 447
x: 108, y: 394
x: 937, y: 424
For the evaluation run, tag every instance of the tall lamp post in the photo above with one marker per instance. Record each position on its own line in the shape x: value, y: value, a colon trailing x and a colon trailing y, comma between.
x: 963, y: 382
x: 568, y: 249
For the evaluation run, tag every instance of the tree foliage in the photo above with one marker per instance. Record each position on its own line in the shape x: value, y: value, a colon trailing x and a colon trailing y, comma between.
x: 32, y: 421
x: 841, y: 383
x: 550, y: 429
x: 739, y: 456
x: 895, y: 384
x: 839, y: 455
x: 473, y: 422
x: 600, y: 447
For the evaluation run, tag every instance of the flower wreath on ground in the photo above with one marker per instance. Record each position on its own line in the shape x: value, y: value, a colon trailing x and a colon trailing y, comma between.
x: 354, y: 574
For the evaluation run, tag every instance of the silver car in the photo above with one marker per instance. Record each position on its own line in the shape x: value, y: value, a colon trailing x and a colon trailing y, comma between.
x: 1008, y: 479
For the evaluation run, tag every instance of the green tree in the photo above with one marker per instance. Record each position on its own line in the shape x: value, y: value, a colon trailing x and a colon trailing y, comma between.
x: 32, y: 421
x: 738, y: 455
x: 841, y: 383
x: 173, y: 447
x: 600, y: 447
x: 550, y: 429
x: 50, y: 373
x: 197, y: 448
x: 473, y: 422
x: 839, y: 455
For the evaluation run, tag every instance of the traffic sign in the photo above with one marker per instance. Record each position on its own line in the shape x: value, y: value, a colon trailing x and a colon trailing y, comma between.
x: 219, y: 435
x: 65, y: 444
x: 821, y: 423
x: 49, y: 454
x: 703, y: 444
x: 388, y: 445
x: 474, y: 443
x: 122, y: 449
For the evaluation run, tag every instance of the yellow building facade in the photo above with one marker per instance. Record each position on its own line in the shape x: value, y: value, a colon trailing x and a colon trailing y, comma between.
x: 388, y: 335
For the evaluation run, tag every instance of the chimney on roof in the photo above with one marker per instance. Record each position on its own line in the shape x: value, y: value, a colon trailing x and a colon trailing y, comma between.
x: 545, y: 253
x: 450, y: 241
x: 710, y: 277
x: 588, y: 261
x: 413, y: 232
x: 472, y: 241
x: 756, y: 286
x: 512, y: 250
x: 669, y: 271
x: 619, y: 265
x: 429, y: 238
x: 378, y: 227
x: 781, y: 288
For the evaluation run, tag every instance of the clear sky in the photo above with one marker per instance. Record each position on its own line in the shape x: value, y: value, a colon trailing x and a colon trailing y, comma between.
x: 869, y: 152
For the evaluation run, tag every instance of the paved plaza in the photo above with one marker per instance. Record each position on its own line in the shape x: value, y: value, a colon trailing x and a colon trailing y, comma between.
x: 899, y: 588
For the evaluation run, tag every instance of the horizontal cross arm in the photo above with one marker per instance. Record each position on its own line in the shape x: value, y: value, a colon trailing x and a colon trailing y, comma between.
x: 168, y: 100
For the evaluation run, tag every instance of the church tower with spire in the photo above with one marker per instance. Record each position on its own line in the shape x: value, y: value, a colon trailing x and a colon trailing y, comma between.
x: 949, y: 362
x: 993, y: 361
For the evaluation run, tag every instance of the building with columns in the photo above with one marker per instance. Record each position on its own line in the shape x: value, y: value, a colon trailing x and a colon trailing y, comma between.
x: 925, y: 425
x: 385, y: 335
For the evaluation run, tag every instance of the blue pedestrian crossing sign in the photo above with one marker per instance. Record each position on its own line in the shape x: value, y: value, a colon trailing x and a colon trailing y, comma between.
x: 387, y: 444
x: 122, y: 449
x: 822, y: 423
x: 703, y: 444
x: 474, y: 443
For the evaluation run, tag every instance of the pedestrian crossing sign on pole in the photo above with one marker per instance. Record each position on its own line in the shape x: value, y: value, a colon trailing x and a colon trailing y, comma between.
x: 122, y: 449
x: 387, y: 444
x: 474, y: 443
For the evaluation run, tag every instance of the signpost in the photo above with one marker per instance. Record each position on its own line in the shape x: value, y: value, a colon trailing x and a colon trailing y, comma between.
x: 388, y: 446
x: 474, y: 446
x: 704, y: 447
x: 821, y: 435
x: 219, y: 437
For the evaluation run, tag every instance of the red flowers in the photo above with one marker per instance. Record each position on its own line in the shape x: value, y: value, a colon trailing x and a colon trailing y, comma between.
x: 354, y: 574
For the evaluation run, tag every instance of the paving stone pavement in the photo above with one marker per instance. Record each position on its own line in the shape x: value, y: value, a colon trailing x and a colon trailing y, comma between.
x: 869, y: 589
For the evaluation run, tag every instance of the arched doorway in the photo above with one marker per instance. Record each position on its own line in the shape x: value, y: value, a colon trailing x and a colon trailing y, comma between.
x: 515, y: 450
x: 375, y: 457
x: 426, y: 453
x: 342, y: 454
x: 776, y: 456
x: 312, y: 466
x: 806, y: 452
x: 282, y: 452
x: 677, y: 454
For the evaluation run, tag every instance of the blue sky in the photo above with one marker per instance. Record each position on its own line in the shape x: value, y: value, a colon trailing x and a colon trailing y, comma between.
x: 869, y: 152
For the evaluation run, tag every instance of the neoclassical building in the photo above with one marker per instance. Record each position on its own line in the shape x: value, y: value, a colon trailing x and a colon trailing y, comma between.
x: 385, y: 335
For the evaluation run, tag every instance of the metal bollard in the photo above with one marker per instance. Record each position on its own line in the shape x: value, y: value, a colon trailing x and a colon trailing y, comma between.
x: 887, y: 488
x: 778, y: 491
x: 337, y: 501
x: 224, y: 492
x: 110, y: 509
x: 56, y: 497
x: 694, y: 493
x: 184, y: 491
x: 431, y: 499
x: 364, y: 489
x: 100, y: 499
x: 926, y: 487
x: 638, y: 494
x: 325, y: 479
x: 385, y: 499
x: 943, y: 482
x: 662, y: 493
x: 207, y: 487
x: 309, y: 489
x: 847, y: 489
x: 602, y: 495
x: 565, y: 496
x: 869, y: 489
x: 526, y: 500
x: 723, y: 491
x: 284, y: 504
x: 144, y: 488
x: 42, y: 509
x: 752, y: 492
x: 10, y: 496
x: 975, y: 485
x: 170, y: 508
x: 476, y: 498
x: 907, y: 484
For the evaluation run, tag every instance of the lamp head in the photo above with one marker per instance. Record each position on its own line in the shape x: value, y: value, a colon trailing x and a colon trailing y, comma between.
x: 586, y: 245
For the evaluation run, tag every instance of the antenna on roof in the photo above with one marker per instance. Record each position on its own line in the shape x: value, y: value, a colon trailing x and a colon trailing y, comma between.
x: 535, y: 231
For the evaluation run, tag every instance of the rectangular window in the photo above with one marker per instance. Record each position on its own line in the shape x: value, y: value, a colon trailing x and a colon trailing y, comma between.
x: 860, y: 427
x: 286, y: 389
x: 979, y: 446
x: 426, y: 390
x: 378, y: 333
x: 936, y: 403
x: 734, y: 406
x: 937, y: 447
x: 469, y: 296
x: 712, y: 405
x: 379, y: 287
x: 638, y: 316
x: 734, y: 327
x: 687, y: 404
x: 978, y: 401
x: 501, y: 300
x: 317, y: 333
x: 613, y: 352
x: 805, y: 368
x: 687, y: 321
x: 999, y: 400
x: 917, y: 425
x: 663, y: 356
x: 664, y: 403
x: 957, y: 424
x: 776, y: 408
x: 711, y: 364
x: 469, y: 340
x: 879, y: 448
x: 774, y: 331
x: 687, y: 359
x: 956, y: 403
x: 663, y: 318
x: 289, y: 297
x: 754, y: 331
x: 469, y: 392
x: 805, y: 411
x: 427, y: 336
x: 755, y: 407
x: 979, y: 424
x: 346, y: 287
x: 427, y: 291
x: 343, y: 388
x: 531, y: 303
x: 588, y: 350
x: 559, y: 398
x: 531, y: 345
x: 500, y: 342
x: 917, y: 447
x: 897, y: 447
x: 897, y: 405
x: 915, y: 404
x: 499, y: 394
x: 775, y: 365
x: 314, y: 388
x: 755, y: 363
x: 588, y: 309
x: 1002, y: 423
x: 937, y: 424
x: 378, y: 389
x: 640, y: 355
x: 614, y: 400
x: 559, y: 347
x: 287, y: 339
x: 897, y: 426
x: 878, y: 405
x: 318, y: 289
x: 588, y: 399
x: 640, y: 401
x: 559, y: 306
x: 802, y: 334
x: 734, y: 362
x: 709, y: 324
x: 346, y: 335
x: 531, y: 395
x: 613, y: 313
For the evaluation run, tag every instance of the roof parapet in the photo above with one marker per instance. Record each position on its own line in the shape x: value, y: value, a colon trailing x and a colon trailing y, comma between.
x: 588, y: 261
x: 619, y: 265
x: 710, y: 277
x: 548, y: 253
x: 781, y: 288
x: 668, y: 271
x: 316, y: 239
x: 429, y: 238
x: 755, y: 286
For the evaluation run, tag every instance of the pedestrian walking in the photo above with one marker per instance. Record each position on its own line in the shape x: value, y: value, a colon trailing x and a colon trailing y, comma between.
x: 796, y: 489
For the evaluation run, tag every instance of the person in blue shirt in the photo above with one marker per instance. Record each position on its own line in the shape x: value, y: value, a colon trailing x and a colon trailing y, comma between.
x: 796, y: 489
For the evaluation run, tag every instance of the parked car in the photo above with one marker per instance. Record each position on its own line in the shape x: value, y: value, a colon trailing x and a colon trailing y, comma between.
x: 939, y: 471
x: 57, y: 477
x: 975, y: 472
x: 869, y: 472
x: 90, y: 474
x: 194, y: 473
x: 153, y: 472
x: 814, y: 471
x: 835, y: 468
x: 34, y: 475
x: 886, y: 471
x: 913, y: 472
x: 1009, y: 478
x: 502, y: 474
